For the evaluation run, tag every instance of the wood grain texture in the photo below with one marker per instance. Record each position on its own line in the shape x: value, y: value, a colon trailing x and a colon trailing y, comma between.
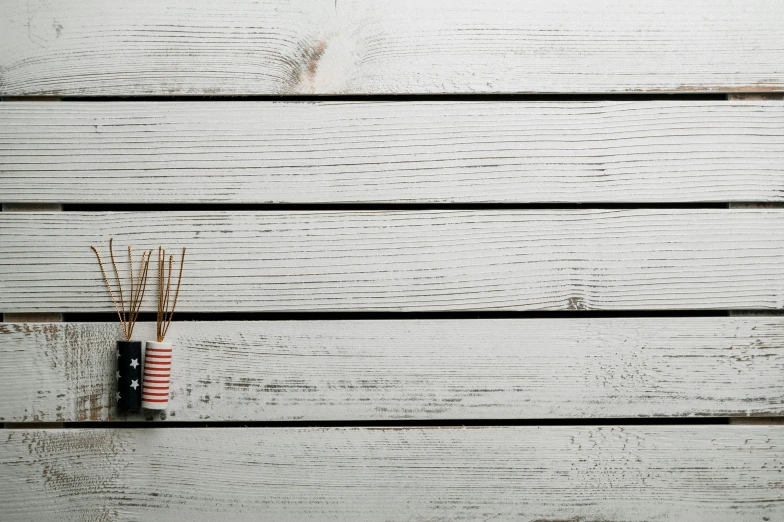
x: 409, y: 369
x: 632, y: 473
x: 109, y: 47
x: 391, y: 152
x: 410, y: 260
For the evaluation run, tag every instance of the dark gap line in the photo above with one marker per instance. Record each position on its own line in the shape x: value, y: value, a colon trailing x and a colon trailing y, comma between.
x: 403, y: 97
x: 315, y: 207
x: 429, y: 423
x: 102, y: 317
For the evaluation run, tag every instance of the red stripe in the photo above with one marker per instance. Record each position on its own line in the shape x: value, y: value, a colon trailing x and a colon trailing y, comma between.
x: 157, y: 394
x: 155, y: 400
x: 159, y: 350
x: 155, y: 381
x: 155, y: 387
x: 158, y: 367
x: 156, y: 374
x: 153, y: 356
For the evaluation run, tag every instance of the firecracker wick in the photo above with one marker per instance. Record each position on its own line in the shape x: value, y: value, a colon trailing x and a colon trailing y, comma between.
x: 164, y: 291
x: 127, y: 317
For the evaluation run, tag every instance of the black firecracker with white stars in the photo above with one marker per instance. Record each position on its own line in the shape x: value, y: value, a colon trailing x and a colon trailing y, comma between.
x: 129, y: 375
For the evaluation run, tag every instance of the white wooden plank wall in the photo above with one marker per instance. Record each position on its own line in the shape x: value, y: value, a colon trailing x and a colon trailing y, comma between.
x: 410, y: 369
x: 111, y: 47
x: 412, y: 260
x: 392, y: 152
x: 631, y: 473
x: 591, y: 277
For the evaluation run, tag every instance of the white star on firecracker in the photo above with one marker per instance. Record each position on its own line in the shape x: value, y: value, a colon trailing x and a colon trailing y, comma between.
x: 118, y: 396
x: 134, y: 384
x: 134, y: 363
x: 118, y: 374
x: 118, y: 354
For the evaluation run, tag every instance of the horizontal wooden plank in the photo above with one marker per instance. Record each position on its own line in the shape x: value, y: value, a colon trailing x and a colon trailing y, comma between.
x: 404, y: 369
x: 108, y: 47
x: 632, y: 473
x: 333, y: 152
x: 410, y: 260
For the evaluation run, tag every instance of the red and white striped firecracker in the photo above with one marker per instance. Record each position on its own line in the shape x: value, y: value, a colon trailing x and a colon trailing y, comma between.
x: 157, y: 373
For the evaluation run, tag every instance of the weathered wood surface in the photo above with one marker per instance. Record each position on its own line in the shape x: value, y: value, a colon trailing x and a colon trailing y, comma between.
x: 410, y: 260
x: 332, y: 152
x: 632, y: 473
x: 109, y: 47
x: 410, y: 369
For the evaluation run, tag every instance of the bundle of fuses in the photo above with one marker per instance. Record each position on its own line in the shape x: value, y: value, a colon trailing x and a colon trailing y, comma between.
x: 143, y: 382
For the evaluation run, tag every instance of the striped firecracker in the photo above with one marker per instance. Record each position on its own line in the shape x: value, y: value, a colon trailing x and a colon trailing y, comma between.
x: 157, y: 372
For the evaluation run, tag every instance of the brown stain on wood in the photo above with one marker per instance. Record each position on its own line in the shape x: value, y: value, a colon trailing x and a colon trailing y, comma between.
x: 303, y: 73
x: 75, y: 462
x: 79, y: 353
x: 34, y: 317
x: 31, y: 207
x: 757, y: 421
x: 772, y: 85
x: 69, y: 459
x: 756, y: 96
x: 91, y: 405
x: 313, y: 58
x: 5, y: 329
x: 573, y: 519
